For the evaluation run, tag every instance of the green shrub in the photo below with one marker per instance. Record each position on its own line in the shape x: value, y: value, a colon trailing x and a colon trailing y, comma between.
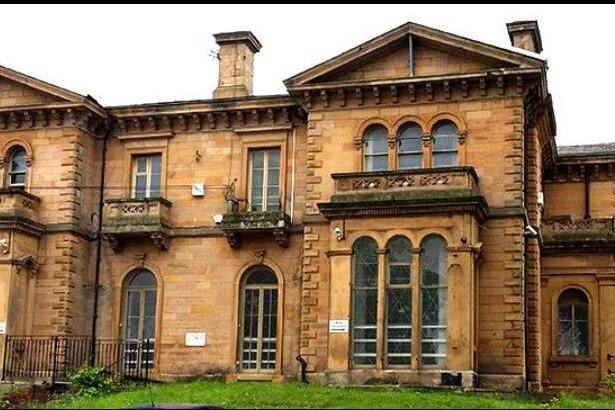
x: 609, y: 380
x: 90, y: 381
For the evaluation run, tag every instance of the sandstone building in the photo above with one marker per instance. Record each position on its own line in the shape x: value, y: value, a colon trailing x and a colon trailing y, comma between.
x: 403, y: 214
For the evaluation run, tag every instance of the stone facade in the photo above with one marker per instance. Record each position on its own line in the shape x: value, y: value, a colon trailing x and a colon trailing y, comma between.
x: 521, y: 222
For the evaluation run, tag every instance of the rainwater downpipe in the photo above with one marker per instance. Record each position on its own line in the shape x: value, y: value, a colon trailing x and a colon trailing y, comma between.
x: 292, y: 177
x: 101, y: 191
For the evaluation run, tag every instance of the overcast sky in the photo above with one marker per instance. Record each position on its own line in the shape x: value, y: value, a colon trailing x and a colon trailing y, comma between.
x: 138, y: 54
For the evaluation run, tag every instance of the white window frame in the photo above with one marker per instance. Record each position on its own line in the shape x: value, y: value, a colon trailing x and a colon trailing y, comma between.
x: 266, y: 184
x: 147, y: 173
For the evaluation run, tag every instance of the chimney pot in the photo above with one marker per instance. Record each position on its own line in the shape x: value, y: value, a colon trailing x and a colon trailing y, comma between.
x: 236, y: 63
x: 525, y: 35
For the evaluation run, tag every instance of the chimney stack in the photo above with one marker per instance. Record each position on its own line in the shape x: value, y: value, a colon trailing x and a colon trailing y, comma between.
x: 236, y: 70
x: 525, y: 35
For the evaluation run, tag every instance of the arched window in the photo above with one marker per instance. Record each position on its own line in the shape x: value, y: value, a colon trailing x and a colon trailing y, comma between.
x: 444, y: 151
x: 433, y: 302
x: 399, y: 301
x: 410, y: 152
x: 364, y: 301
x: 139, y: 319
x: 16, y: 177
x: 376, y: 151
x: 259, y: 322
x: 573, y: 323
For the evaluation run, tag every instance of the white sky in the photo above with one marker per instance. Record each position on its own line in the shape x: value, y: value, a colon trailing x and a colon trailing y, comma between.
x: 138, y: 54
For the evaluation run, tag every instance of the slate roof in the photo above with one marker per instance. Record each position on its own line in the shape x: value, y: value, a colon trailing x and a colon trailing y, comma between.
x: 584, y: 150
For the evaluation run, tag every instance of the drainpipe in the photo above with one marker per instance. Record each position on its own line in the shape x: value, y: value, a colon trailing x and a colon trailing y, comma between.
x: 101, y: 192
x: 586, y: 170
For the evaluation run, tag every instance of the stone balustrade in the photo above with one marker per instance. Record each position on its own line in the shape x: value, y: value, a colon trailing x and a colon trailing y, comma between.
x: 563, y: 231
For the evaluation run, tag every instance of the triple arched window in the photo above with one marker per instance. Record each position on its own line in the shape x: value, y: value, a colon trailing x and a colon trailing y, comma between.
x: 383, y: 305
x: 408, y: 147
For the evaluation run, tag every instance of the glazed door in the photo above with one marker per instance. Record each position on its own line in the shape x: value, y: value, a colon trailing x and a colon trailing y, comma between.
x: 139, y: 322
x: 259, y: 328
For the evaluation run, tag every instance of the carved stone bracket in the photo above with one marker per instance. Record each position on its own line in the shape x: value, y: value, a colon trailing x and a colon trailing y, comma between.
x: 162, y: 241
x: 393, y: 141
x: 233, y: 239
x: 358, y: 142
x: 426, y: 139
x: 282, y: 237
x: 116, y: 244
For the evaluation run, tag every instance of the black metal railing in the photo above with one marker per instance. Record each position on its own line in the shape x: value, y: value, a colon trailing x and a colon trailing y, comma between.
x: 55, y: 358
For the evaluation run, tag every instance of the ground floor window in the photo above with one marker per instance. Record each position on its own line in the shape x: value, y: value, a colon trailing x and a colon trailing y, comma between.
x: 573, y: 323
x: 385, y: 296
x: 258, y: 333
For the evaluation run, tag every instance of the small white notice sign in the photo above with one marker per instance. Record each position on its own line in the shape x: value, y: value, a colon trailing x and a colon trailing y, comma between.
x: 338, y: 326
x: 196, y: 339
x: 2, y: 328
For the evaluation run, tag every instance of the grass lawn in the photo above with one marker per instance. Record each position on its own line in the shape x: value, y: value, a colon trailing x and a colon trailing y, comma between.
x: 295, y: 395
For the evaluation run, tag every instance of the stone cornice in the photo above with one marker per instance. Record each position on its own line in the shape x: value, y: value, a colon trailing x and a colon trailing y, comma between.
x: 575, y: 172
x: 278, y: 112
x: 476, y: 205
x: 52, y: 116
x: 499, y: 83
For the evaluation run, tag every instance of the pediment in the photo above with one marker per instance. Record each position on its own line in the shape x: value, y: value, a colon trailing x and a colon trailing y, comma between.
x: 20, y: 90
x: 412, y: 50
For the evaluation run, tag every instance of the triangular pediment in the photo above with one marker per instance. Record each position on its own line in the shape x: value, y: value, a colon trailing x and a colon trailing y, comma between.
x: 412, y: 50
x: 20, y: 90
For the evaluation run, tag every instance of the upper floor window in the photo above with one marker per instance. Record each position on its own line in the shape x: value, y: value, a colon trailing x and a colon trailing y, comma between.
x: 16, y: 177
x: 376, y: 151
x: 264, y: 180
x: 410, y: 152
x: 146, y: 173
x: 573, y: 323
x: 444, y: 150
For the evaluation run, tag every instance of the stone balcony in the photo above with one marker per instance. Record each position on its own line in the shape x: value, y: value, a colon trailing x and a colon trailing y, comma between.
x: 20, y: 210
x: 238, y: 224
x: 411, y: 192
x: 565, y: 233
x: 136, y: 218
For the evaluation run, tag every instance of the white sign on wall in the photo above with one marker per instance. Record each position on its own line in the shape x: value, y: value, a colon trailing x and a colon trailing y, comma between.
x: 338, y: 326
x: 196, y: 339
x: 2, y: 328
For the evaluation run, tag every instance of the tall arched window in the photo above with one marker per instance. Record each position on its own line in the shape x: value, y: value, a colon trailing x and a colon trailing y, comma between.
x: 16, y: 177
x: 433, y: 302
x: 259, y: 322
x: 410, y: 153
x: 376, y: 151
x: 139, y: 319
x: 573, y: 323
x: 444, y: 151
x: 399, y: 301
x: 364, y: 301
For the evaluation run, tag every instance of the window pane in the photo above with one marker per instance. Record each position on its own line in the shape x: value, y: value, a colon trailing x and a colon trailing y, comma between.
x: 445, y: 142
x: 155, y: 164
x: 154, y: 186
x: 444, y: 159
x: 410, y: 161
x: 18, y: 179
x: 257, y: 158
x: 376, y: 163
x: 141, y: 164
x: 274, y: 158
